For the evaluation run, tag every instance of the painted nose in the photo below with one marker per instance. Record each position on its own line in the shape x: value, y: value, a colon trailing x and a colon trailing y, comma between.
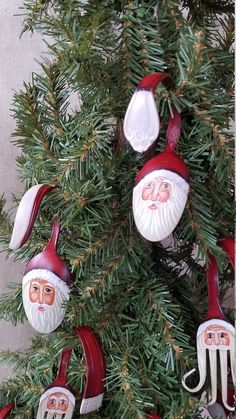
x: 217, y: 339
x: 155, y: 192
x: 40, y: 296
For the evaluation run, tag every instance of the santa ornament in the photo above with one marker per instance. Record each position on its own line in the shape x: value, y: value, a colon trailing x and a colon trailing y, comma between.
x: 58, y: 400
x: 142, y: 122
x: 161, y: 188
x: 46, y: 282
x: 215, y: 335
x: 46, y: 287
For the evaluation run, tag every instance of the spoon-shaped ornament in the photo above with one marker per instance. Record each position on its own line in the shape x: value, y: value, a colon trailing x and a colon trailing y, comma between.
x: 215, y: 335
x: 27, y: 213
x: 95, y: 370
x: 142, y: 122
x: 58, y: 400
x: 5, y: 411
x: 46, y: 287
x: 161, y: 188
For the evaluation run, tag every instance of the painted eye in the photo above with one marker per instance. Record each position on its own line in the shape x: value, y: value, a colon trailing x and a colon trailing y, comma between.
x: 210, y: 335
x: 148, y: 185
x: 223, y: 335
x: 165, y: 185
x: 48, y: 290
x: 52, y: 402
x: 62, y: 401
x: 35, y: 288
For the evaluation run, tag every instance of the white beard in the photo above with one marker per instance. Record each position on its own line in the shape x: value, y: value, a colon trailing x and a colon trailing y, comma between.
x: 43, y: 407
x: 48, y: 320
x: 156, y: 225
x: 217, y: 354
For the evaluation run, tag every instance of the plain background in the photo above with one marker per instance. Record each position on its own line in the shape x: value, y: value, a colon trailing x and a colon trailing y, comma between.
x: 17, y: 61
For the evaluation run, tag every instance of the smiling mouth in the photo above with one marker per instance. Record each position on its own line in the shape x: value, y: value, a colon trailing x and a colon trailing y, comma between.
x: 41, y: 309
x: 153, y: 207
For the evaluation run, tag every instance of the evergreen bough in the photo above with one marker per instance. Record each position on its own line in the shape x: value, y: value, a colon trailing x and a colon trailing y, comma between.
x: 134, y: 294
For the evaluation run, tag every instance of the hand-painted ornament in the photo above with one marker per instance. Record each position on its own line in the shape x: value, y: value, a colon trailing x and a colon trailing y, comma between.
x: 27, y: 213
x: 161, y: 189
x: 141, y: 122
x: 59, y: 399
x: 46, y: 287
x: 215, y: 335
x: 5, y: 411
x: 95, y: 370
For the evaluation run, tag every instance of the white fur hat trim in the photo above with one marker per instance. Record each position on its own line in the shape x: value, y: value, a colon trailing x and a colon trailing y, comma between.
x: 91, y: 404
x: 50, y: 277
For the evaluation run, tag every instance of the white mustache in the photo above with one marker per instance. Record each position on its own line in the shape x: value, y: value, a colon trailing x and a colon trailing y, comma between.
x: 46, y: 307
x: 148, y: 203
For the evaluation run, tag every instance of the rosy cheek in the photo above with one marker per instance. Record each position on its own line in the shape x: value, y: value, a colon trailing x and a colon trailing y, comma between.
x: 145, y: 194
x: 164, y: 196
x: 225, y: 341
x: 33, y: 296
x: 49, y: 299
x: 63, y: 407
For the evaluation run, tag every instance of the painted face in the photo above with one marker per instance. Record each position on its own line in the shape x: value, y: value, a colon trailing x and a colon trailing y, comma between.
x: 158, y: 203
x: 156, y: 190
x: 58, y: 401
x: 41, y: 292
x: 217, y: 336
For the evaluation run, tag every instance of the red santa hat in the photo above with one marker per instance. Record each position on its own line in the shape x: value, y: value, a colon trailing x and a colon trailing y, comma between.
x: 169, y: 164
x: 49, y: 266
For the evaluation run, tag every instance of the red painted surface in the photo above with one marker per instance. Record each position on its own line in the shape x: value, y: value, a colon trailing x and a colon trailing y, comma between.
x: 173, y: 131
x: 214, y: 308
x: 164, y: 161
x: 95, y: 363
x: 212, y: 274
x: 61, y: 380
x: 151, y: 81
x: 228, y: 244
x: 48, y: 259
x: 4, y: 412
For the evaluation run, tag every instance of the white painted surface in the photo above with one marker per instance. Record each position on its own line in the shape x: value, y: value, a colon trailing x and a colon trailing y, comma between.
x: 17, y: 61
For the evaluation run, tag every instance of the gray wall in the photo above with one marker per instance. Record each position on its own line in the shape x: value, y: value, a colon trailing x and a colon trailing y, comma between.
x: 17, y: 61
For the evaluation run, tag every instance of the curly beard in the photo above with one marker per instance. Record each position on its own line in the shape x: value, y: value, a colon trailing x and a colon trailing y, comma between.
x: 43, y: 321
x: 156, y: 225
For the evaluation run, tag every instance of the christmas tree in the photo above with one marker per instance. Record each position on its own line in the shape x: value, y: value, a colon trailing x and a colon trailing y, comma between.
x: 143, y: 299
